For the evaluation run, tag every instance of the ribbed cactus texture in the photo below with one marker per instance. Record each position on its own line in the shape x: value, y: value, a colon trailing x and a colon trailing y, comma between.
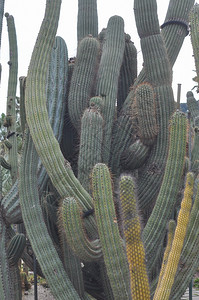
x: 134, y: 246
x: 178, y: 241
x: 104, y: 159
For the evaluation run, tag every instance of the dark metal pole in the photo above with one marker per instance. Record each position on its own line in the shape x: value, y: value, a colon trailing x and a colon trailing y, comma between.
x: 178, y: 95
x: 190, y: 290
x: 35, y: 277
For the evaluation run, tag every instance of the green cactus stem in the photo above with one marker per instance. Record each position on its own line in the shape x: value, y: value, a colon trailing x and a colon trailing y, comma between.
x: 83, y: 78
x: 47, y: 146
x: 11, y: 96
x: 35, y: 226
x: 111, y: 242
x: 90, y: 151
x: 22, y: 82
x: 146, y: 113
x: 87, y: 20
x: 194, y: 20
x: 128, y: 72
x: 193, y: 108
x: 108, y: 76
x: 166, y: 200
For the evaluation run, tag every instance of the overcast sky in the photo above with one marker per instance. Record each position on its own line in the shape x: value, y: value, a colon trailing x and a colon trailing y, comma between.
x: 28, y: 16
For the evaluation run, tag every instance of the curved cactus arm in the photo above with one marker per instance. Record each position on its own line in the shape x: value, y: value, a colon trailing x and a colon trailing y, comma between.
x: 35, y: 226
x: 56, y: 90
x: 156, y: 225
x: 134, y: 246
x: 108, y: 76
x: 189, y: 258
x: 164, y: 288
x: 83, y: 79
x: 11, y: 96
x: 174, y: 32
x: 5, y: 164
x: 87, y: 19
x: 15, y: 248
x: 11, y: 206
x: 46, y: 145
x: 135, y: 156
x: 124, y: 130
x: 111, y: 242
x: 72, y: 223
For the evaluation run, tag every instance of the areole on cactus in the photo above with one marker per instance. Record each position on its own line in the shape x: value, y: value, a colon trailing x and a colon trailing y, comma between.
x: 91, y: 126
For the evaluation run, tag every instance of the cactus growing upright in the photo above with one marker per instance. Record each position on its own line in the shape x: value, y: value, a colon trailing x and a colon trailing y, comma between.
x: 79, y: 228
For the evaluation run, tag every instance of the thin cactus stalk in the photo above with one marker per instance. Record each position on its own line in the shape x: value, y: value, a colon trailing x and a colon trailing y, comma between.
x: 170, y: 236
x: 189, y: 257
x: 178, y: 240
x: 11, y: 96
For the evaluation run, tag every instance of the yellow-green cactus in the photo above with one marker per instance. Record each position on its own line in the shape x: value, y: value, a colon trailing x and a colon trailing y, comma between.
x: 164, y: 289
x: 134, y: 246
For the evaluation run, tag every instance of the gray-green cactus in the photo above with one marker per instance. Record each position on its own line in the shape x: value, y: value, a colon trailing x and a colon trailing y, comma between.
x: 84, y: 122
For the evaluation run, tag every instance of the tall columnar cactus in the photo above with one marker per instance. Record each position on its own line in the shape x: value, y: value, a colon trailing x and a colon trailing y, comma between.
x: 90, y: 121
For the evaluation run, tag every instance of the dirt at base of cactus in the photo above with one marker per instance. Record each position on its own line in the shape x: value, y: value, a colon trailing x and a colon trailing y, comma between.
x: 42, y: 292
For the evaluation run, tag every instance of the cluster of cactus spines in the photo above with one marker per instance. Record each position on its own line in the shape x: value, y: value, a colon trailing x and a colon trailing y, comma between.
x: 178, y: 241
x: 111, y: 242
x: 95, y: 132
x: 134, y: 246
x: 193, y: 108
